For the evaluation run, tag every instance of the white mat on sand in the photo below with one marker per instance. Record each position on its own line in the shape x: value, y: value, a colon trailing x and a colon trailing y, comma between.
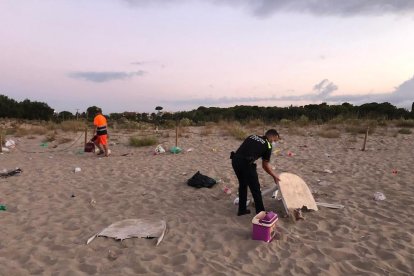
x: 133, y: 228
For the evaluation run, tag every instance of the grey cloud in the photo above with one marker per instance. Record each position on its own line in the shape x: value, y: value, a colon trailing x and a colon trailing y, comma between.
x: 403, y: 96
x: 105, y: 76
x: 324, y: 88
x: 263, y: 8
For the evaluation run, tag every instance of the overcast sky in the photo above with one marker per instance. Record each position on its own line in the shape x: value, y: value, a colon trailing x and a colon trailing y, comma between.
x: 133, y: 55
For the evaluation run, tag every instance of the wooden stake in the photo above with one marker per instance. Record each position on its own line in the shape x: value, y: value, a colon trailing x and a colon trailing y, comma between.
x: 176, y: 133
x: 365, y: 139
x: 86, y: 135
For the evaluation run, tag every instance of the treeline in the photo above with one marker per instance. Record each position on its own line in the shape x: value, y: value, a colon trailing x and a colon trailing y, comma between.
x: 313, y: 112
x: 26, y: 109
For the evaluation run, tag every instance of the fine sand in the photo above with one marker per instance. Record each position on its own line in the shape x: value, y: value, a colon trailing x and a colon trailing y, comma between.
x: 52, y: 211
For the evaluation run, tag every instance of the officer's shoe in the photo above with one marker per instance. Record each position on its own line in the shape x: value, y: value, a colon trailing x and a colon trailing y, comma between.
x: 246, y: 212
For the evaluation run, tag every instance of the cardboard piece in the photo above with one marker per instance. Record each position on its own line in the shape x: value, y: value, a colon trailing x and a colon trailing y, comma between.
x: 295, y: 193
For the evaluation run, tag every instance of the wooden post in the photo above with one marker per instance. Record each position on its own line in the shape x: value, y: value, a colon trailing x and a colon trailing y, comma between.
x: 365, y: 139
x: 86, y: 135
x: 176, y: 133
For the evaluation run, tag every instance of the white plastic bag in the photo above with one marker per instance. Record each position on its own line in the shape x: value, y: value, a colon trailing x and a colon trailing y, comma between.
x: 379, y: 196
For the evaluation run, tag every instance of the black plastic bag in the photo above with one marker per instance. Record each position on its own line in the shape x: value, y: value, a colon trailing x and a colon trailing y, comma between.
x: 199, y: 180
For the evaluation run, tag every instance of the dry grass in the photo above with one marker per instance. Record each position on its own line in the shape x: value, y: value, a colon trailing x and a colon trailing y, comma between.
x: 329, y: 133
x: 20, y: 132
x: 356, y: 129
x: 298, y: 131
x: 72, y: 125
x: 253, y: 124
x: 50, y: 137
x: 63, y: 140
x: 206, y: 131
x: 302, y: 121
x: 142, y: 141
x: 405, y: 123
x: 237, y: 132
x: 185, y: 122
x: 404, y: 131
x: 285, y: 122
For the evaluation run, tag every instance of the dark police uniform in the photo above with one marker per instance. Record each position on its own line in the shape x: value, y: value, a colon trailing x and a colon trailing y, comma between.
x: 253, y: 148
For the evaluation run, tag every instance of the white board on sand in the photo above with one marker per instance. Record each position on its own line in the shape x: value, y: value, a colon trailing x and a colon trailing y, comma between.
x: 295, y: 193
x: 133, y: 228
x: 330, y: 205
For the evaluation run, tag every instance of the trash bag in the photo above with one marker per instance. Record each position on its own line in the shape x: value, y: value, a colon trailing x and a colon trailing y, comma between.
x: 175, y: 150
x: 199, y: 180
x: 89, y: 147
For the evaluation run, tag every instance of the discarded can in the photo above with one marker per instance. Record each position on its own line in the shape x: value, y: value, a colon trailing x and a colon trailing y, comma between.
x: 227, y: 190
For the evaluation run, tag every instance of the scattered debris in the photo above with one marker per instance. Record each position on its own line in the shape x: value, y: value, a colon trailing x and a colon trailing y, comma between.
x: 298, y: 214
x: 227, y: 190
x: 199, y: 180
x: 133, y: 228
x: 112, y: 255
x: 176, y: 150
x: 236, y: 202
x: 324, y: 183
x: 10, y: 144
x: 6, y: 173
x: 330, y: 205
x: 77, y: 169
x: 159, y: 149
x: 3, y: 207
x: 324, y: 171
x: 379, y: 196
x: 190, y: 150
x: 394, y: 171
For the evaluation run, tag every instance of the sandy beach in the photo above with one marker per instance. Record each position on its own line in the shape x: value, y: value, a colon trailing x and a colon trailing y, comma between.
x: 52, y: 211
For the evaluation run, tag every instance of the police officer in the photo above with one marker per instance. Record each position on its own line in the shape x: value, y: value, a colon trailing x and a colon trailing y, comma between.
x: 243, y: 162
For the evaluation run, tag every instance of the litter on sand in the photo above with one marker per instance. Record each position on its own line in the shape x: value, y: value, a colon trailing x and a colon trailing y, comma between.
x: 16, y: 171
x: 236, y: 201
x: 379, y: 196
x: 176, y: 150
x: 77, y: 170
x: 159, y: 149
x: 330, y: 205
x: 10, y: 144
x: 133, y: 228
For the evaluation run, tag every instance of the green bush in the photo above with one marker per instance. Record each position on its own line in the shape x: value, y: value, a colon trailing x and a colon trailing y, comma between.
x: 285, y: 122
x: 303, y: 121
x: 237, y: 133
x: 405, y: 131
x: 185, y: 122
x: 142, y: 142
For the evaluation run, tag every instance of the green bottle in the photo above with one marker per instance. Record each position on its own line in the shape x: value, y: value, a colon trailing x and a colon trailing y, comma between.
x: 2, y: 207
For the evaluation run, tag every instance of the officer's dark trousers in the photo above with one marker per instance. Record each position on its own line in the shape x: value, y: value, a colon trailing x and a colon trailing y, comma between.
x: 247, y: 175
